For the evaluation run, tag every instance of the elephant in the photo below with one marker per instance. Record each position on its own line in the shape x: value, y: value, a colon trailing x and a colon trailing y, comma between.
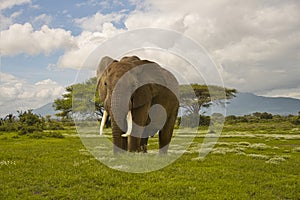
x: 141, y: 98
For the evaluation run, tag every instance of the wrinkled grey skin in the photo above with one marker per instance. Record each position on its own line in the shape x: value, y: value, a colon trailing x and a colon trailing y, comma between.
x: 162, y: 90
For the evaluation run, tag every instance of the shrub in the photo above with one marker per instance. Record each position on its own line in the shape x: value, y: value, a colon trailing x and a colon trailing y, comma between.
x: 191, y: 120
x: 194, y: 120
x: 30, y: 122
x: 204, y: 120
x: 54, y: 135
x: 296, y: 121
x: 9, y: 127
x: 25, y: 129
x: 36, y: 135
x: 55, y: 125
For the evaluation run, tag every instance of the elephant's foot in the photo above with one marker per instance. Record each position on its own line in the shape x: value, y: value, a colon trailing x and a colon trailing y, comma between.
x: 144, y: 148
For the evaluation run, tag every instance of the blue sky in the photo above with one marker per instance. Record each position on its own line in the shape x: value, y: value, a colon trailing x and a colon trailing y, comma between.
x: 62, y: 15
x: 255, y: 44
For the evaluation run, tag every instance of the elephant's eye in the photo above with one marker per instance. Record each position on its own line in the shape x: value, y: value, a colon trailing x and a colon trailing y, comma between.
x: 105, y: 83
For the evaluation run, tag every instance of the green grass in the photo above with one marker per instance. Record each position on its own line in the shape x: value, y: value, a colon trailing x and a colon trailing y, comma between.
x: 238, y: 168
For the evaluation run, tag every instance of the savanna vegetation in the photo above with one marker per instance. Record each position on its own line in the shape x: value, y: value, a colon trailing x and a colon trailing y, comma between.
x: 251, y: 160
x: 257, y: 156
x: 33, y: 125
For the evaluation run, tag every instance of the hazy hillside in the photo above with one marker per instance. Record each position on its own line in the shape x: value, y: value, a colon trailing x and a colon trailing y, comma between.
x: 242, y: 104
x: 45, y: 110
x: 247, y: 103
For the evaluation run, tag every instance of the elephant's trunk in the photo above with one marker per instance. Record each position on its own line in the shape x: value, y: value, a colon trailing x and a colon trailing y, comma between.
x: 119, y: 126
x: 120, y: 104
x: 119, y: 142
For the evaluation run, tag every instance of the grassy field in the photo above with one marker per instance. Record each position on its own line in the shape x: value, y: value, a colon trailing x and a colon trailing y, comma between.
x: 250, y: 161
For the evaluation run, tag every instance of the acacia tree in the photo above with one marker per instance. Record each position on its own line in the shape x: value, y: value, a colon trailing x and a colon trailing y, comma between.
x: 82, y: 93
x: 203, y: 96
x: 64, y: 104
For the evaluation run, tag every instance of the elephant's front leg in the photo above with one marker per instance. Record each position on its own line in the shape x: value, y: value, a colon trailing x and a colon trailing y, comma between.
x: 144, y: 144
x: 139, y: 117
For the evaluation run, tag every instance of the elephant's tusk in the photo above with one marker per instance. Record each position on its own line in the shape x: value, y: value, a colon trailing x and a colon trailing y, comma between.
x: 129, y: 125
x: 103, y: 120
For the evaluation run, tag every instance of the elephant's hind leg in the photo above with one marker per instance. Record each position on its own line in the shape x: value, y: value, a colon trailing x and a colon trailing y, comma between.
x: 166, y: 133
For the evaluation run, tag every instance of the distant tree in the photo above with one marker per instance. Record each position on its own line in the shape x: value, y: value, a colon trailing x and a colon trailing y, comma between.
x: 83, y: 93
x: 263, y: 115
x: 203, y: 96
x: 9, y: 123
x: 266, y: 115
x: 30, y: 122
x: 64, y: 104
x: 256, y: 114
x: 48, y: 118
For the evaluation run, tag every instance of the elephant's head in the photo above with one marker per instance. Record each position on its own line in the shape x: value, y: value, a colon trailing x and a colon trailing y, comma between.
x: 110, y: 71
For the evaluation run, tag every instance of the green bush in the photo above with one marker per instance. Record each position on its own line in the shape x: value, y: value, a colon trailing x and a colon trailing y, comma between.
x: 194, y: 120
x: 54, y: 125
x: 54, y: 135
x: 25, y: 129
x: 296, y: 121
x: 9, y: 127
x: 36, y: 135
x: 204, y: 120
x: 30, y: 122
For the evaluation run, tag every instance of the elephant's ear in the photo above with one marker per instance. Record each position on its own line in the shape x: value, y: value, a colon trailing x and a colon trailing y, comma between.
x: 101, y: 88
x: 105, y: 62
x: 141, y: 96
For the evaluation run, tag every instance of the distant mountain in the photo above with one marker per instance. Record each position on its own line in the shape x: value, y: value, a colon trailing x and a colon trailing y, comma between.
x: 242, y: 104
x: 45, y: 110
x: 248, y: 103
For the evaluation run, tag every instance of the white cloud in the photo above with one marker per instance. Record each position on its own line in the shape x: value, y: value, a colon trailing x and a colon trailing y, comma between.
x: 24, y: 39
x: 6, y: 4
x: 294, y: 92
x: 248, y: 49
x: 42, y: 19
x: 17, y: 94
x: 7, y: 21
x: 251, y: 39
x: 35, y: 6
x: 86, y: 42
x: 96, y: 22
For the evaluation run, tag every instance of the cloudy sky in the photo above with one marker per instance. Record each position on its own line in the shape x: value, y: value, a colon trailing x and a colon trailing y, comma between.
x: 254, y: 44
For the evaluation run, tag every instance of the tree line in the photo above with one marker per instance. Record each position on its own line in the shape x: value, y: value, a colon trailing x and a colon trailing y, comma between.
x: 29, y: 123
